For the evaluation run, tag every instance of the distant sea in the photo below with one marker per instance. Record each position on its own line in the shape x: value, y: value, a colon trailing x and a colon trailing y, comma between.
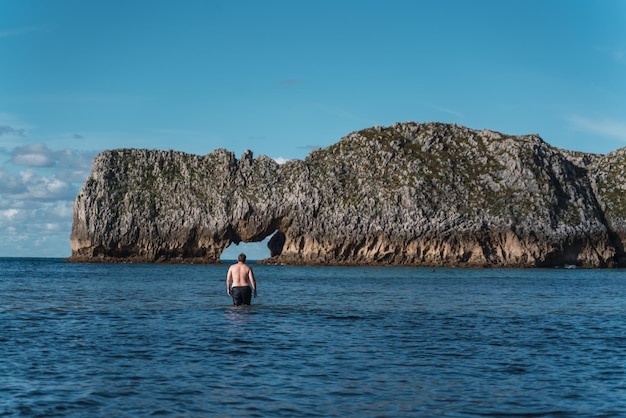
x: 137, y: 340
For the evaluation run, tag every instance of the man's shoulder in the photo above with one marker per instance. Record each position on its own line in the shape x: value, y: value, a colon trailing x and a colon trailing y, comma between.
x: 240, y: 266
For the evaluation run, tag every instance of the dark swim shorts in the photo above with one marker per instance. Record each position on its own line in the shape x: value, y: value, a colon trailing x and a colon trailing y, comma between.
x: 241, y: 295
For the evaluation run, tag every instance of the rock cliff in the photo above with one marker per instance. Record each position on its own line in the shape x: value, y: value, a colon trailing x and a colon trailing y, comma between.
x: 409, y: 194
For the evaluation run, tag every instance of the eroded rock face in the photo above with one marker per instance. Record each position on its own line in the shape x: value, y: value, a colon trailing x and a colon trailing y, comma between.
x: 418, y: 194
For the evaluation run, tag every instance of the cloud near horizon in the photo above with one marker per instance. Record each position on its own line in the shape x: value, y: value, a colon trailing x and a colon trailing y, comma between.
x: 50, y: 175
x: 33, y: 155
x: 39, y: 155
x: 38, y: 186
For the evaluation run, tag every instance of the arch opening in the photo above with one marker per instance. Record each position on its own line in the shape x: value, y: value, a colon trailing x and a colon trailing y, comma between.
x: 254, y: 251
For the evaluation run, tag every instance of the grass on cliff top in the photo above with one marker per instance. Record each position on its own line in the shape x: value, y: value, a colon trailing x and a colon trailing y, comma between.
x: 447, y: 165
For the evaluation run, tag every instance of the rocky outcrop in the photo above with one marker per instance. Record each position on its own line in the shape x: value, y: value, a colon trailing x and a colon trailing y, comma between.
x: 409, y: 194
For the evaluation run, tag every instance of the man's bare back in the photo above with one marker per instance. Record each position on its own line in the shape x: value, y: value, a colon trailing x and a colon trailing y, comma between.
x: 240, y: 275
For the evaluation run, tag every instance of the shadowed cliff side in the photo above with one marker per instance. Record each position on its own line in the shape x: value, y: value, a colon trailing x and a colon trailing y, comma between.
x: 414, y: 194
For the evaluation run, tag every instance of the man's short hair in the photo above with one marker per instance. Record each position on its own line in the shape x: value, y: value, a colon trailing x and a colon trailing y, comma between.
x: 242, y: 258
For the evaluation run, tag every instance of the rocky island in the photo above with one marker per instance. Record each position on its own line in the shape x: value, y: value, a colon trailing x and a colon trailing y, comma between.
x: 427, y: 194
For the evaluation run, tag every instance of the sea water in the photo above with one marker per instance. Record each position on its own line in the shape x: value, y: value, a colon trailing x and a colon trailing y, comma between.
x: 136, y: 340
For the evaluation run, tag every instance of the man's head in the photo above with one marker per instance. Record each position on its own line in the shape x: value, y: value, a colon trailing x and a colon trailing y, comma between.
x: 242, y: 258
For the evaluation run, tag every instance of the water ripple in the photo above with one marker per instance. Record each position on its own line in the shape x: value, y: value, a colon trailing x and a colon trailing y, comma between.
x: 128, y: 340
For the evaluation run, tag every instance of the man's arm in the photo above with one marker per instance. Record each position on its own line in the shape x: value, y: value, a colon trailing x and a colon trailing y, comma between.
x: 252, y: 281
x: 229, y: 280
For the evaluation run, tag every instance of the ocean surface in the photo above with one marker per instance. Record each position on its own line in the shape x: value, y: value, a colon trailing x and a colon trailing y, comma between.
x: 135, y: 340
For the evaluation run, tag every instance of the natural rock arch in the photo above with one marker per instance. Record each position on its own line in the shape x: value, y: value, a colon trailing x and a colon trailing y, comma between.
x: 419, y: 194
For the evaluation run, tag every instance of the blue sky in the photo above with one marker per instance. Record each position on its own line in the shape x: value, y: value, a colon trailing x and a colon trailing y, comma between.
x: 281, y: 78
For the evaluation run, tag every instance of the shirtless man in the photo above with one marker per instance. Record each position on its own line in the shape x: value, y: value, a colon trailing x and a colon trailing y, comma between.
x: 240, y: 276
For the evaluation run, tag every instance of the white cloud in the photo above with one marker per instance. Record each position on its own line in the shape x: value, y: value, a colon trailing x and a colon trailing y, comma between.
x: 601, y: 127
x: 41, y: 230
x: 56, y: 187
x: 40, y: 239
x: 61, y: 209
x: 32, y: 160
x: 33, y: 155
x: 75, y: 160
x: 38, y: 186
x: 8, y: 214
x: 12, y: 236
x: 281, y: 160
x: 69, y: 165
x: 10, y: 184
x: 52, y: 226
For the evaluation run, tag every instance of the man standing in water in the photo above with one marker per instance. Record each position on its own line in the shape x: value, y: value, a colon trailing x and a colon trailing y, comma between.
x: 241, y: 278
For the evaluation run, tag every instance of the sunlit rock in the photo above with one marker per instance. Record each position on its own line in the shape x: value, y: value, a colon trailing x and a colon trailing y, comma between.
x: 409, y: 194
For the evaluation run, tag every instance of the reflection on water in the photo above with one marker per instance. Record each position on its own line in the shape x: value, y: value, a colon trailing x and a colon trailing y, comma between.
x: 239, y: 317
